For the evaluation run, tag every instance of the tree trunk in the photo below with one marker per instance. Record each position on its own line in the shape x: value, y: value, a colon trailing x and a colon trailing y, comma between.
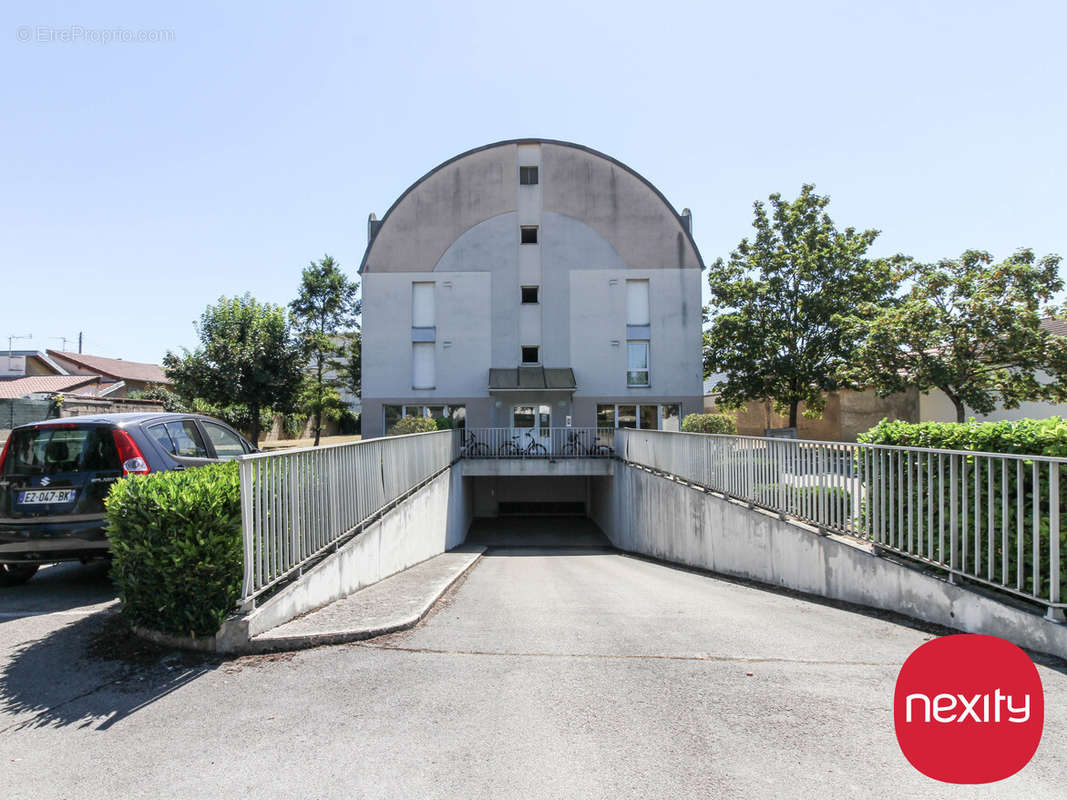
x: 255, y: 425
x: 793, y: 406
x: 961, y: 410
x: 317, y: 417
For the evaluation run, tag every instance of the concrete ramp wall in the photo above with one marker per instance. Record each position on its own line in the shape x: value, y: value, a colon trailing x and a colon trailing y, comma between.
x: 433, y: 520
x: 646, y: 513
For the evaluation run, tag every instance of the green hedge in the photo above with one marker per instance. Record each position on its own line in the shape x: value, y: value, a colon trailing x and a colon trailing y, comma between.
x: 709, y: 423
x: 1040, y: 437
x: 909, y: 480
x: 407, y: 425
x: 176, y: 541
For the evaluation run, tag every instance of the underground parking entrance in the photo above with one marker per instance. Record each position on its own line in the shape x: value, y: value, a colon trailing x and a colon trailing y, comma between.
x: 535, y: 511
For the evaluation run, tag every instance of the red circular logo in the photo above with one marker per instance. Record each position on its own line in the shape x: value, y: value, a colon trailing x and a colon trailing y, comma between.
x: 968, y: 709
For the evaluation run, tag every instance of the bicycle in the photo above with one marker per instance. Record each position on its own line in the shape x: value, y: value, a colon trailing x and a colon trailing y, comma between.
x: 576, y: 446
x: 474, y: 449
x: 533, y: 449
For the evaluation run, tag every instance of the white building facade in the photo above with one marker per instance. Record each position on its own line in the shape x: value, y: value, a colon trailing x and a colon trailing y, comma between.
x: 528, y: 284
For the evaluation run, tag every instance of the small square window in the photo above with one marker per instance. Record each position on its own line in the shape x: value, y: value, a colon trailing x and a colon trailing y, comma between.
x: 528, y: 176
x: 529, y: 234
x: 530, y: 355
x: 529, y: 294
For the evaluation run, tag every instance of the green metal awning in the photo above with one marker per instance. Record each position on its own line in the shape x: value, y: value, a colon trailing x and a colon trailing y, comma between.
x: 550, y: 379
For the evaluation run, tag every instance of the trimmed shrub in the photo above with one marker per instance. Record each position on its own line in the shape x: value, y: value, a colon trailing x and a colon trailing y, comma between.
x: 709, y: 423
x: 1042, y: 437
x: 909, y: 482
x: 176, y: 541
x: 407, y: 425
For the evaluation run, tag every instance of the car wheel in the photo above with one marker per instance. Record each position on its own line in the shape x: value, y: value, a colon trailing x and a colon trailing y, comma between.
x: 14, y: 574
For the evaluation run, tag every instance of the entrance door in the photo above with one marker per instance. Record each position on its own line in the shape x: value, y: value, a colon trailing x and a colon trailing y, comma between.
x: 535, y: 421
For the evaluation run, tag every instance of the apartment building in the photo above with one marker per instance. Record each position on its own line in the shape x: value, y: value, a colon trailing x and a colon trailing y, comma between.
x: 530, y: 284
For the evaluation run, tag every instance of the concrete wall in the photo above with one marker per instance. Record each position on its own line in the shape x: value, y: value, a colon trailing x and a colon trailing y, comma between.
x: 431, y: 521
x: 847, y: 414
x: 935, y: 406
x: 655, y: 516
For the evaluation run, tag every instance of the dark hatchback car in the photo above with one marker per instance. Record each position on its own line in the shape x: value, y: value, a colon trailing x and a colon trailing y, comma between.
x: 55, y: 475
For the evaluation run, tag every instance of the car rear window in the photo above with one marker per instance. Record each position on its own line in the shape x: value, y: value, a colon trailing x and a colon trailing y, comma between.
x: 49, y: 450
x: 227, y: 444
x: 180, y: 438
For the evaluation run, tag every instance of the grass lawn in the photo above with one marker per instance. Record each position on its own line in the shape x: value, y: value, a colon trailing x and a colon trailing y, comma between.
x: 287, y: 444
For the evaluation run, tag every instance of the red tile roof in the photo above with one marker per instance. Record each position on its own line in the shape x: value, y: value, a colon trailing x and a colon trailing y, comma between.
x: 20, y: 387
x: 115, y: 367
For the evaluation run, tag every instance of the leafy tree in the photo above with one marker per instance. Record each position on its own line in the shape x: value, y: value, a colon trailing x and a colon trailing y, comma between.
x: 349, y: 367
x: 321, y: 397
x: 326, y: 305
x: 970, y: 328
x: 170, y: 401
x: 247, y: 357
x: 775, y: 304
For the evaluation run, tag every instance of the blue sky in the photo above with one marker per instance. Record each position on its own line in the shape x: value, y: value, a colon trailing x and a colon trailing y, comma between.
x: 142, y: 180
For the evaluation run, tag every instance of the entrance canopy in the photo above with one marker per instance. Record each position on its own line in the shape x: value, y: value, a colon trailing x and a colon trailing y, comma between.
x: 526, y: 379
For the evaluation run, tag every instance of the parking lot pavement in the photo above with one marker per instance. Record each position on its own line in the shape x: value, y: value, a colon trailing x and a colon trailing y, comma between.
x: 546, y: 673
x: 71, y: 588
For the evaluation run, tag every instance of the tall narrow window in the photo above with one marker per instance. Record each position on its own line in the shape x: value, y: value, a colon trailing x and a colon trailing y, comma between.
x: 422, y: 305
x: 423, y: 374
x: 637, y: 303
x: 528, y: 176
x: 637, y: 363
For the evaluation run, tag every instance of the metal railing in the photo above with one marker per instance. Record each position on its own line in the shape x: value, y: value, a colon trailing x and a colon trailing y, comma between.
x: 991, y: 518
x: 299, y: 504
x: 550, y: 443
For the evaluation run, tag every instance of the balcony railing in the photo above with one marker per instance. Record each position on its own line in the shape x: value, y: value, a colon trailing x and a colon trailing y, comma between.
x: 545, y: 443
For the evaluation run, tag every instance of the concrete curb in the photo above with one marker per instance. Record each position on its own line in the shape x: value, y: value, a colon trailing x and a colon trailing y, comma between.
x: 202, y: 644
x: 265, y: 643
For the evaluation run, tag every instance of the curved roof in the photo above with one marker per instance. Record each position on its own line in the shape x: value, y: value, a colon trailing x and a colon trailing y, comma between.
x: 683, y: 227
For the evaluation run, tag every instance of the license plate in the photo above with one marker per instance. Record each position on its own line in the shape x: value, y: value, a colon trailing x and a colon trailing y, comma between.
x: 45, y: 496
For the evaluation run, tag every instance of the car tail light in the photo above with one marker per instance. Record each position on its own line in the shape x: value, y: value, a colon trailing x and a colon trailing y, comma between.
x: 3, y: 453
x: 130, y: 454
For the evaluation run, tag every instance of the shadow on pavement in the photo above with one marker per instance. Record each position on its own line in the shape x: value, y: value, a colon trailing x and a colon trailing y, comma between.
x: 91, y: 673
x: 58, y: 587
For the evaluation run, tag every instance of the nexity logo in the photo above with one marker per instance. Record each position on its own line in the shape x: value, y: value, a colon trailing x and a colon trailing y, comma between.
x: 968, y: 709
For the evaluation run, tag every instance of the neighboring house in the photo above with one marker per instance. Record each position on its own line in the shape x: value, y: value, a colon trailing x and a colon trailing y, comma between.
x: 43, y: 386
x: 36, y: 386
x: 531, y: 283
x: 347, y: 397
x: 934, y: 406
x: 23, y: 363
x: 118, y: 376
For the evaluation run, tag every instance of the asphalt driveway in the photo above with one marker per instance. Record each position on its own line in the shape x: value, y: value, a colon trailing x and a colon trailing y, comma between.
x: 564, y: 672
